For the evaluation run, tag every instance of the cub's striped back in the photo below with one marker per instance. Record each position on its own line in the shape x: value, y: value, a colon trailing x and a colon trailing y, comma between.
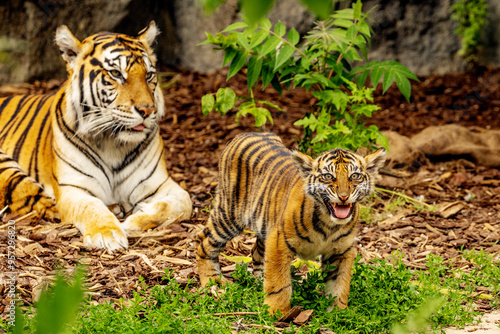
x: 251, y: 167
x: 296, y: 205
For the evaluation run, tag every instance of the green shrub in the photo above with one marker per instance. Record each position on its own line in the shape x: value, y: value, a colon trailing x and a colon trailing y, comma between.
x: 330, y: 61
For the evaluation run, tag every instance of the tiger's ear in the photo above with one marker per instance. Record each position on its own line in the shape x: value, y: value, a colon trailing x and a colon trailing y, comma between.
x: 69, y: 45
x: 375, y: 161
x: 303, y: 162
x: 148, y: 35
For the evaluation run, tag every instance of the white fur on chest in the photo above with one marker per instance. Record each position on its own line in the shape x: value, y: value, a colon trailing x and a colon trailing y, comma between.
x: 100, y: 171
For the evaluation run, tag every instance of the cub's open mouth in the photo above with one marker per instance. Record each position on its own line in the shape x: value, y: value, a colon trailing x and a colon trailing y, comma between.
x: 339, y: 211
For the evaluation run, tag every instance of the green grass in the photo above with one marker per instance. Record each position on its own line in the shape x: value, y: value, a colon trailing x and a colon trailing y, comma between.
x: 383, y: 296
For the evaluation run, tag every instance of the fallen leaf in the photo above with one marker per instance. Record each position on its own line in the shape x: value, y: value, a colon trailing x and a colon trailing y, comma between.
x: 311, y: 265
x: 237, y: 259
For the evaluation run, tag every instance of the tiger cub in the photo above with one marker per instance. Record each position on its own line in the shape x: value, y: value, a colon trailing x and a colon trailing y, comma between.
x: 296, y: 205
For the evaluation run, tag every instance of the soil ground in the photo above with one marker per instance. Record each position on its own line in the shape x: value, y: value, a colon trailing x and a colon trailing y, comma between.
x: 466, y: 197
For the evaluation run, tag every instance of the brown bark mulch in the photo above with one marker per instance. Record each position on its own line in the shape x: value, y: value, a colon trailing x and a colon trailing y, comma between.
x: 465, y: 198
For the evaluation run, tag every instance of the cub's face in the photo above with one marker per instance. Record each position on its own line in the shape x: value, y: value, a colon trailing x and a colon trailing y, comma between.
x: 338, y: 179
x: 113, y: 84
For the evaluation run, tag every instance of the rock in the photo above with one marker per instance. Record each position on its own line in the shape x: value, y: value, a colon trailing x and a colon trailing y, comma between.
x: 31, y: 29
x: 418, y: 34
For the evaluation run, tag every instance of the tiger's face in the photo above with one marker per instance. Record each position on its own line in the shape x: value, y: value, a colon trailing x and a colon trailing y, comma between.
x: 113, y: 86
x: 338, y: 179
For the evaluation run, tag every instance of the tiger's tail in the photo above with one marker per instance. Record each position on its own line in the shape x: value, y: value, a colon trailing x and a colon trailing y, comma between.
x: 22, y: 193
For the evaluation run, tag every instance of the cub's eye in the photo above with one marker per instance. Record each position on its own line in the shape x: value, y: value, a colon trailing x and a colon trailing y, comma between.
x: 150, y: 76
x: 327, y: 177
x: 115, y: 73
x: 355, y: 176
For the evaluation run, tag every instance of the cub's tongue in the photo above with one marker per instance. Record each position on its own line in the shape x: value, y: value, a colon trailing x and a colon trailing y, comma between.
x: 139, y: 127
x: 342, y: 211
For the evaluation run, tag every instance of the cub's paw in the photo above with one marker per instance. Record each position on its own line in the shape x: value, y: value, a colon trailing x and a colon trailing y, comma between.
x: 220, y: 279
x: 109, y: 236
x: 284, y: 308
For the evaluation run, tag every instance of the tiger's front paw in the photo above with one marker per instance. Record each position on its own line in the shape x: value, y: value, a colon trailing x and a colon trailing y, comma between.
x: 152, y: 215
x: 105, y: 235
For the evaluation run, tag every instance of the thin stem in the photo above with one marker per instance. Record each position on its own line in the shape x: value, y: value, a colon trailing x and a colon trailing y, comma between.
x: 232, y: 314
x: 350, y: 45
x: 405, y: 197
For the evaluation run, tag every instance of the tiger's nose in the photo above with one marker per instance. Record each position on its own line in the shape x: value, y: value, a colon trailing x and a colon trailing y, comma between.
x: 145, y: 111
x: 344, y: 198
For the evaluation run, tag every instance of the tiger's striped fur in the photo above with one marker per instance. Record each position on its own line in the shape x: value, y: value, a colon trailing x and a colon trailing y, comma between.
x: 94, y: 143
x: 296, y: 205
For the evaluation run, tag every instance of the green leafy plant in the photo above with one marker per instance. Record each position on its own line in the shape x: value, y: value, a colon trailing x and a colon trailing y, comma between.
x: 57, y: 307
x: 330, y: 61
x: 471, y: 16
x: 309, y: 291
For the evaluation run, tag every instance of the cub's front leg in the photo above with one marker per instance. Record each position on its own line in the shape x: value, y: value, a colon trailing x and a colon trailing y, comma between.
x: 169, y: 203
x: 338, y: 279
x: 277, y: 277
x: 99, y: 227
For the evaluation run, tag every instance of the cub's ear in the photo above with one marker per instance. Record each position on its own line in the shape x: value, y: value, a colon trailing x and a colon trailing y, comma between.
x: 69, y: 45
x: 148, y: 35
x: 303, y: 162
x: 375, y: 161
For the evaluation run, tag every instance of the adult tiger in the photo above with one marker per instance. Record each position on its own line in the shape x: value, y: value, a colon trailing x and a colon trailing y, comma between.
x: 296, y: 205
x: 94, y: 143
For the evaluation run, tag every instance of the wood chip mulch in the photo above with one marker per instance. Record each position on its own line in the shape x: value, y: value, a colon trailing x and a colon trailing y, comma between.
x: 465, y: 197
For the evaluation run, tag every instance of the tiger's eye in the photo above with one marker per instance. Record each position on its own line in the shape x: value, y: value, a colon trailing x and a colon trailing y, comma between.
x: 150, y: 76
x: 355, y: 176
x: 115, y: 73
x: 327, y: 177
